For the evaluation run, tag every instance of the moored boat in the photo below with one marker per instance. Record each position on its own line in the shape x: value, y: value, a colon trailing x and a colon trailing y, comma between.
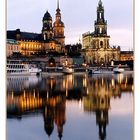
x: 17, y: 67
x: 118, y: 70
x: 100, y: 71
x: 68, y: 70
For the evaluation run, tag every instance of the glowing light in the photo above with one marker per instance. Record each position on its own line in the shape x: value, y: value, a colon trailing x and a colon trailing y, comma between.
x: 24, y: 94
x: 47, y: 95
x: 112, y: 82
x: 85, y: 82
x: 120, y: 77
x: 66, y: 62
x: 80, y: 104
x: 132, y: 87
x: 87, y: 91
x: 51, y: 84
x: 12, y: 95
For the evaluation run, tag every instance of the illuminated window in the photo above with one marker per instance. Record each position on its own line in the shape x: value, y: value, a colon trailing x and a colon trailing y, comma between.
x: 100, y: 30
x: 100, y: 15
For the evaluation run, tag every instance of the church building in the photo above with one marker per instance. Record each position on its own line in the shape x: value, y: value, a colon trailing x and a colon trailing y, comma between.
x: 96, y: 47
x: 51, y: 38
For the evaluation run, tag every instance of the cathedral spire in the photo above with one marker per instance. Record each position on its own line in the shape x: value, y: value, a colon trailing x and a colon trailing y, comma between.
x: 100, y: 2
x: 57, y: 4
x: 58, y: 26
x: 58, y: 9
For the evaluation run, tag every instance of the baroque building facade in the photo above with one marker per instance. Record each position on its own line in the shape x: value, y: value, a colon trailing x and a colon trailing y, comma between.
x: 96, y: 48
x: 51, y: 38
x: 12, y: 46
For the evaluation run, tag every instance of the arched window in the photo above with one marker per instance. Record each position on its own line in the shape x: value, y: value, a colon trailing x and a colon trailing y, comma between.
x: 100, y: 30
x: 100, y: 15
x: 101, y: 43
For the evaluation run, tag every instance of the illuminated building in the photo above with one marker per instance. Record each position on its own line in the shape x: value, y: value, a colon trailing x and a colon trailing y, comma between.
x: 12, y: 46
x: 51, y: 38
x: 96, y: 48
x: 126, y: 55
x: 30, y: 43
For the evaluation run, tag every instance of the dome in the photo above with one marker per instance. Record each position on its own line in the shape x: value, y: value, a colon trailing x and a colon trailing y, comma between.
x: 58, y: 23
x: 47, y: 16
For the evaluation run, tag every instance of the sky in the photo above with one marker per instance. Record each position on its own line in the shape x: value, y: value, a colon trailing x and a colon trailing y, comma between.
x: 78, y: 17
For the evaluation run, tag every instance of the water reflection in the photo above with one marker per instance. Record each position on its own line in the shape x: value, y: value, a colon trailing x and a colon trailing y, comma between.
x: 48, y: 95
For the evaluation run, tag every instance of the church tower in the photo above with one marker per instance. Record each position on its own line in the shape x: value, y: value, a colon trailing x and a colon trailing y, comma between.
x: 101, y: 39
x: 58, y: 27
x: 100, y: 23
x: 98, y: 50
x: 47, y: 29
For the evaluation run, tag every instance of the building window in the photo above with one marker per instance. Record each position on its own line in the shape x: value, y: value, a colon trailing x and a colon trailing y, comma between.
x: 100, y: 30
x: 101, y: 43
x: 100, y: 15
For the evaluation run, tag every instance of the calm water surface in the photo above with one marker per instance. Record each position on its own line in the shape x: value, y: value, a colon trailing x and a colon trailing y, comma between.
x: 70, y: 107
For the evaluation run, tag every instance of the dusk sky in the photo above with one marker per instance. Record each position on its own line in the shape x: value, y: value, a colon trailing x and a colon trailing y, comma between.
x: 78, y: 17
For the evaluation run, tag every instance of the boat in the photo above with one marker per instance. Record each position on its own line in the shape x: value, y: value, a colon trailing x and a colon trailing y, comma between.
x: 118, y: 70
x: 67, y: 70
x: 100, y: 71
x: 17, y: 67
x: 34, y: 71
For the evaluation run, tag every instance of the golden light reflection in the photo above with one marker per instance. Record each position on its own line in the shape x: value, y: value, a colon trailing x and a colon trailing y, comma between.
x: 112, y: 82
x: 51, y: 84
x: 24, y: 93
x: 63, y: 84
x: 102, y: 81
x: 95, y: 94
x: 120, y: 78
x: 126, y: 80
x: 12, y: 95
x: 132, y: 87
x: 66, y: 93
x: 70, y: 79
x: 84, y: 82
x: 47, y: 95
x: 80, y: 104
x: 87, y: 91
x: 98, y: 89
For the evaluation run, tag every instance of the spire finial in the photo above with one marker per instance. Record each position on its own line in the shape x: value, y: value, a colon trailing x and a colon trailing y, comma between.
x: 100, y: 2
x: 57, y: 4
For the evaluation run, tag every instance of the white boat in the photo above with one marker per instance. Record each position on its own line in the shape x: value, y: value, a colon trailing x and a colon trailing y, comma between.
x: 34, y: 71
x: 17, y: 67
x: 68, y: 70
x: 100, y: 71
x: 118, y: 70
